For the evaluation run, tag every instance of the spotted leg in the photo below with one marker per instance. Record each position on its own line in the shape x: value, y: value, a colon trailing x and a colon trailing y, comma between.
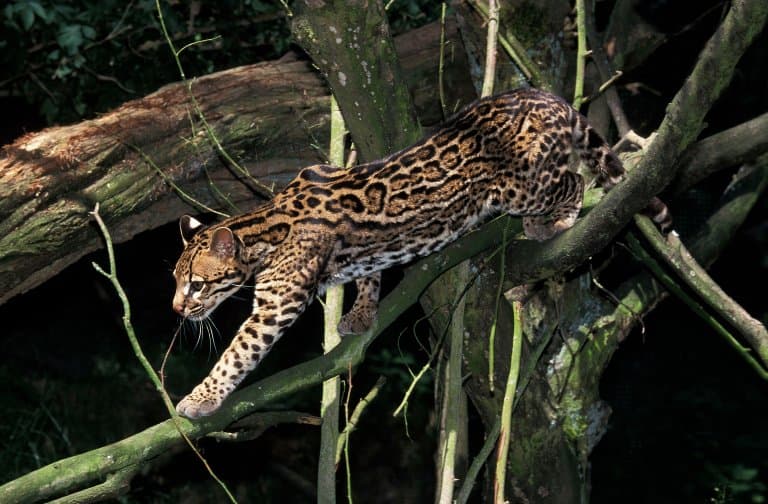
x: 281, y: 295
x: 362, y: 315
x: 567, y: 195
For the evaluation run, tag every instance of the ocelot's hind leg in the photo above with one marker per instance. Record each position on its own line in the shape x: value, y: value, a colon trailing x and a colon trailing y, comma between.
x: 362, y: 315
x: 567, y: 195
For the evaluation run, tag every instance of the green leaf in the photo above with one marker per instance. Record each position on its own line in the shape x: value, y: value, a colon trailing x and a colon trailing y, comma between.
x: 89, y: 32
x: 63, y: 70
x: 70, y: 37
x: 27, y: 18
x: 49, y: 109
x: 743, y: 473
x: 40, y: 12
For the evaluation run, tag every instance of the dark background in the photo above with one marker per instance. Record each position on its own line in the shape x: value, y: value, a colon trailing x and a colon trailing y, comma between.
x: 688, y: 422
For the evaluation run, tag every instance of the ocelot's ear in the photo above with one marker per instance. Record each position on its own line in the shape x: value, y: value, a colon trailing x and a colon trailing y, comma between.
x: 223, y: 243
x: 189, y: 226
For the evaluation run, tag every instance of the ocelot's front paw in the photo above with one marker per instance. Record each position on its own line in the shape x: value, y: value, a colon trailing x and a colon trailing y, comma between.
x: 198, y: 404
x: 539, y: 228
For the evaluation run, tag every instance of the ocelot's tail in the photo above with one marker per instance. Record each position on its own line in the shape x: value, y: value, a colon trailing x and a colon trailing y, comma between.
x: 603, y: 162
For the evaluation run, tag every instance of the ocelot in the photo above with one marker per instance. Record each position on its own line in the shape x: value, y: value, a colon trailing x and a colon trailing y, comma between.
x: 506, y: 153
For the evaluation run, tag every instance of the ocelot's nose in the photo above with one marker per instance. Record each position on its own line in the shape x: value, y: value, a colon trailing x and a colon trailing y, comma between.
x: 178, y: 308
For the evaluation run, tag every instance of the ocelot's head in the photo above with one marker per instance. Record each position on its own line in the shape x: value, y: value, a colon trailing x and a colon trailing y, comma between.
x: 209, y: 270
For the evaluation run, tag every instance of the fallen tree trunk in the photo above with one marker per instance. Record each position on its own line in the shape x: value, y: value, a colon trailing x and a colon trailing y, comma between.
x: 267, y: 116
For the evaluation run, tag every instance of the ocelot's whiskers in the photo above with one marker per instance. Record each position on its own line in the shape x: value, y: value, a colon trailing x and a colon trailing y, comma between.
x: 509, y: 153
x: 212, y: 333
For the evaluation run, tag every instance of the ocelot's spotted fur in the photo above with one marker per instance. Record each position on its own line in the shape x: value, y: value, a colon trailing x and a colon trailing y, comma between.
x: 507, y: 153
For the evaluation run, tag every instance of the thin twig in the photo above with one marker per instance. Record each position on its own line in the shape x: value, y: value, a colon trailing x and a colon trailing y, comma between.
x: 581, y: 55
x: 346, y: 443
x: 197, y: 42
x: 603, y: 68
x: 288, y: 11
x: 452, y: 394
x: 441, y: 61
x: 489, y: 75
x: 262, y: 189
x: 603, y: 87
x: 671, y: 284
x: 128, y: 326
x: 508, y: 403
x: 168, y: 180
x: 168, y: 354
x: 356, y: 414
x: 516, y: 51
x: 696, y: 277
x: 479, y: 462
x: 492, y: 335
x: 404, y: 402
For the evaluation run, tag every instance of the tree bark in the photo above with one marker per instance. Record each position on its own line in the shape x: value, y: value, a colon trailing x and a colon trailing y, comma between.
x: 352, y: 47
x: 267, y: 116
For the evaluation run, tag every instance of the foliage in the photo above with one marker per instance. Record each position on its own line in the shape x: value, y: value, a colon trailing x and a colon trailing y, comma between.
x: 71, y: 60
x: 74, y: 59
x: 406, y: 15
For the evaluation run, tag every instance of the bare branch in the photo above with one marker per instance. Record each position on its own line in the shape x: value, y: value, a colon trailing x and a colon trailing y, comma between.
x: 723, y: 150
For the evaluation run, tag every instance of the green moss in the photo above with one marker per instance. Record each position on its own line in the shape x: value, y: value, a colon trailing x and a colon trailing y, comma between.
x: 575, y: 422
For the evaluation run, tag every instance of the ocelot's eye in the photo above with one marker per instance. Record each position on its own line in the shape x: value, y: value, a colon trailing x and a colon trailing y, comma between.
x: 196, y: 285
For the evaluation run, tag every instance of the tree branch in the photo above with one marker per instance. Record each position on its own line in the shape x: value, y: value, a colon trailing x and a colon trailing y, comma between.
x: 365, y: 77
x: 723, y: 150
x: 577, y: 374
x: 655, y: 170
x: 675, y: 254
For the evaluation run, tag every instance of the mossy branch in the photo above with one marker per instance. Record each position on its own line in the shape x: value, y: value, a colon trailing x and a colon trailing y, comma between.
x: 723, y: 150
x: 671, y: 284
x: 365, y: 77
x: 681, y: 125
x: 114, y: 485
x: 674, y: 253
x: 612, y: 322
